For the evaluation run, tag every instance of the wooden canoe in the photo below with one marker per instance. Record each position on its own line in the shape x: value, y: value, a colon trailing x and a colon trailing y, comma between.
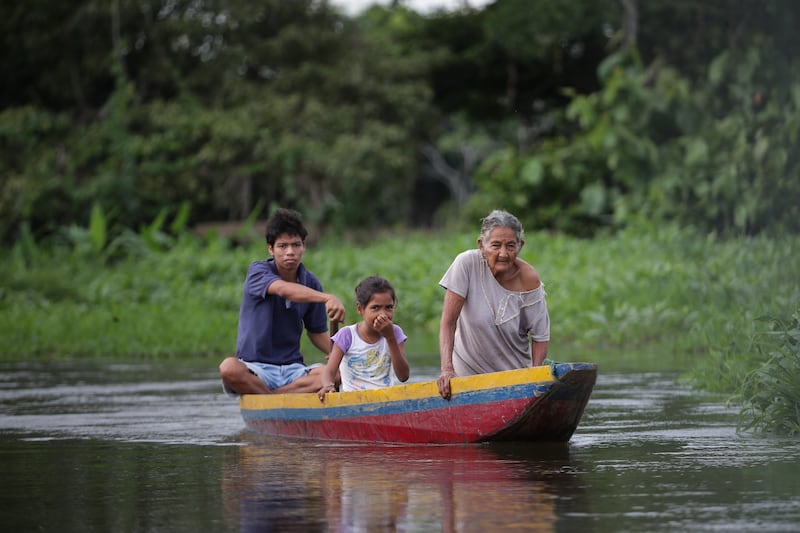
x: 543, y: 403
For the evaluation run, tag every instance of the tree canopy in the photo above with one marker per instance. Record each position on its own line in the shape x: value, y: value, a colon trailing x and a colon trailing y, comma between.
x: 577, y: 116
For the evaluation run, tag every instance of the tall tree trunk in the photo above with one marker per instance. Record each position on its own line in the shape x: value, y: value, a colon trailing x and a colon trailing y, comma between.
x: 630, y: 22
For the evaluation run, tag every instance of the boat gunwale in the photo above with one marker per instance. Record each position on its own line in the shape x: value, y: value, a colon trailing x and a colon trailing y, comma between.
x: 461, y: 386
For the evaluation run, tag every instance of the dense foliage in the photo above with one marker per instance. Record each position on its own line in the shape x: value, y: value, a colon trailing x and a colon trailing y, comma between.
x: 576, y: 115
x: 152, y: 295
x: 719, y: 155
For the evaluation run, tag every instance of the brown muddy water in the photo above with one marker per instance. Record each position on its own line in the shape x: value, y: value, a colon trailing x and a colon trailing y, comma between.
x: 117, y: 447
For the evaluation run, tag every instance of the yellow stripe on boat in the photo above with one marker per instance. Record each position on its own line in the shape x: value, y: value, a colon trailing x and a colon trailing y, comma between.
x: 458, y: 385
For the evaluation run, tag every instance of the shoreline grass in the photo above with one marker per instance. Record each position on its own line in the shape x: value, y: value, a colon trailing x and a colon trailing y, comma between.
x: 681, y: 297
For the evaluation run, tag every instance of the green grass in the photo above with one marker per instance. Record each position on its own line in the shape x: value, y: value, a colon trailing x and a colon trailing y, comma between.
x: 768, y: 393
x: 666, y: 298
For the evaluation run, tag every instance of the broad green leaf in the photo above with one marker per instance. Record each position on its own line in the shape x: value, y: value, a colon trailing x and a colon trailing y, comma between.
x: 761, y: 147
x: 696, y: 152
x: 593, y: 198
x: 98, y: 231
x: 532, y: 171
x: 717, y: 68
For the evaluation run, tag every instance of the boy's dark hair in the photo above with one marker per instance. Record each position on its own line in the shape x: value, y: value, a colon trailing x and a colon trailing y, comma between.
x: 372, y: 285
x: 285, y: 221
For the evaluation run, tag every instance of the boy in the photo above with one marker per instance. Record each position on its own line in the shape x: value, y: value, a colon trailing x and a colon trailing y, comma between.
x: 281, y: 298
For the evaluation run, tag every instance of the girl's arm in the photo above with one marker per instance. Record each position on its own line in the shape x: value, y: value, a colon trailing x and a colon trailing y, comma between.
x: 399, y: 360
x: 385, y: 326
x: 328, y: 374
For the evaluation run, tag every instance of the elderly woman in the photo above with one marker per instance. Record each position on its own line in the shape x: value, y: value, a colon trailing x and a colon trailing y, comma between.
x: 495, y: 314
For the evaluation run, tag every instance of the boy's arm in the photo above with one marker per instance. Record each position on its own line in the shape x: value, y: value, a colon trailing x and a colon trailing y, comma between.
x: 322, y: 341
x: 297, y: 292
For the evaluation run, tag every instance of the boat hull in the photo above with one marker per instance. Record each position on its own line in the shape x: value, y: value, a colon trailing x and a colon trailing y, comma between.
x: 533, y: 404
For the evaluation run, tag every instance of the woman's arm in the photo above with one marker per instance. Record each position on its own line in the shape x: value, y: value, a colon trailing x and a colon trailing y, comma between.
x: 451, y: 310
x: 538, y: 352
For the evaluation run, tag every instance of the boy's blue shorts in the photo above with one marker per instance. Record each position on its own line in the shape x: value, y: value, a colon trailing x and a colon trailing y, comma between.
x: 274, y: 376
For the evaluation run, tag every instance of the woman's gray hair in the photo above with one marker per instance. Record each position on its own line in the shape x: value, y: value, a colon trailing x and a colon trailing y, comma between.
x: 500, y: 219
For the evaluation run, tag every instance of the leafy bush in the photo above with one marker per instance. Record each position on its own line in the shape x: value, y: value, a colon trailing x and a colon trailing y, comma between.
x: 770, y: 394
x: 718, y: 155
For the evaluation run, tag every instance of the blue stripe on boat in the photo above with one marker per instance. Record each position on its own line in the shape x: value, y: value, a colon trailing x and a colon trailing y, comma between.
x: 513, y: 392
x: 562, y: 369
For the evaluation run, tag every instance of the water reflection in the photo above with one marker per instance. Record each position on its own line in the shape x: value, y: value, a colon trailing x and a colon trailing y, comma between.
x: 275, y: 485
x: 135, y: 448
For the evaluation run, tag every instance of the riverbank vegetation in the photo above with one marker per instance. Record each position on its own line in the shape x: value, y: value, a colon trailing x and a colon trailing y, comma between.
x: 763, y: 368
x: 692, y: 297
x: 650, y: 148
x: 659, y: 297
x: 771, y: 393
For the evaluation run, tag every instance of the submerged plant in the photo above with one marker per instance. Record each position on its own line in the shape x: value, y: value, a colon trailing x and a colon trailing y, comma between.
x: 771, y: 393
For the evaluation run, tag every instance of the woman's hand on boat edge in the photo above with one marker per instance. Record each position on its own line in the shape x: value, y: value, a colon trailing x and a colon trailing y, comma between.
x: 444, y: 383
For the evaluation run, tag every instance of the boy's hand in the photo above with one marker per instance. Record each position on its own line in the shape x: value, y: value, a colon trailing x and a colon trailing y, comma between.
x: 334, y: 308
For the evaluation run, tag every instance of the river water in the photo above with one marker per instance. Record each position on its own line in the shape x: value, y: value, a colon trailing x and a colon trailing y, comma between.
x: 113, y: 447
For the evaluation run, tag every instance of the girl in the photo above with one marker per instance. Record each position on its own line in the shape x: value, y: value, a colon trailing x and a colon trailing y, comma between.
x: 365, y: 353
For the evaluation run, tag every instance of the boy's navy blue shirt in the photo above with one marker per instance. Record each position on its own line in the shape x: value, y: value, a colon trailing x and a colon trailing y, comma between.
x: 270, y: 327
